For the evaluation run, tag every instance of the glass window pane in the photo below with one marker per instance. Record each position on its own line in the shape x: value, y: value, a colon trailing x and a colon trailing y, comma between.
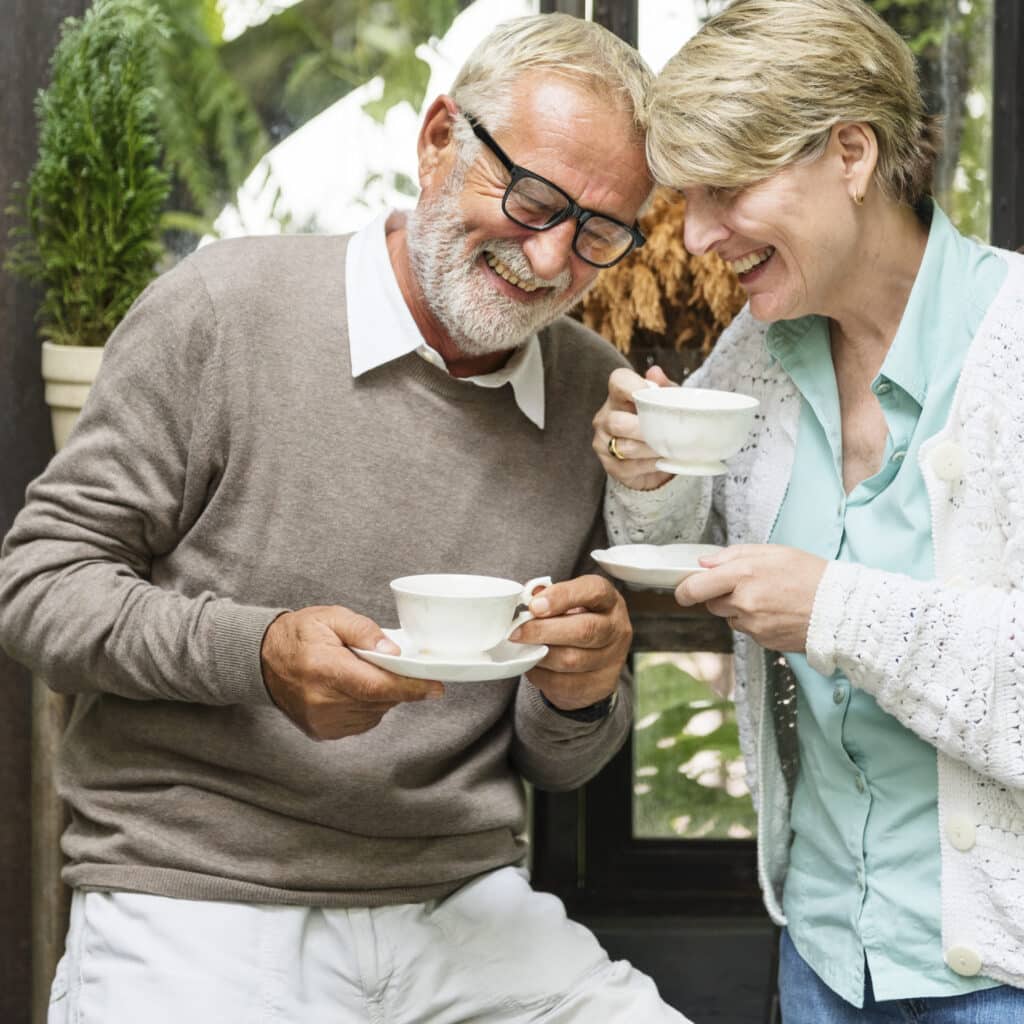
x: 688, y: 773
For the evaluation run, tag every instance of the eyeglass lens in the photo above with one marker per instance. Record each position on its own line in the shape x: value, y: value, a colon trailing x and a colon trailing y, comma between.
x: 535, y: 204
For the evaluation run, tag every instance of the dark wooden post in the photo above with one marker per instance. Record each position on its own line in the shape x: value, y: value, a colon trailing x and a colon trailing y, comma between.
x: 32, y: 901
x: 577, y: 8
x: 1008, y: 126
x: 621, y: 16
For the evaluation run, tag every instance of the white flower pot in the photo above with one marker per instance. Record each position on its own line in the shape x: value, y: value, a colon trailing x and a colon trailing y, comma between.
x: 68, y: 372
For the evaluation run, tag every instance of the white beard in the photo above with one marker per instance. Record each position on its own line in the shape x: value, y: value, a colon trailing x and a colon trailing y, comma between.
x: 479, y: 319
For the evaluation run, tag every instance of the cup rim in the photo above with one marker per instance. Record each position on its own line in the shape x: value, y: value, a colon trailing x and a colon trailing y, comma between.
x: 662, y: 398
x: 416, y: 586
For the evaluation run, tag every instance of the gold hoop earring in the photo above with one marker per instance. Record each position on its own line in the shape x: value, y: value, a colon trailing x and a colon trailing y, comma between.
x: 859, y: 199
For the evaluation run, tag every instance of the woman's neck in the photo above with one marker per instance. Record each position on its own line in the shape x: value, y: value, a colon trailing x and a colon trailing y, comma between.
x: 867, y: 313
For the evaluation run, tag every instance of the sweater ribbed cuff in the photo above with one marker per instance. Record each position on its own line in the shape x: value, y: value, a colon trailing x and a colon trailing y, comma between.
x: 547, y: 719
x: 238, y: 632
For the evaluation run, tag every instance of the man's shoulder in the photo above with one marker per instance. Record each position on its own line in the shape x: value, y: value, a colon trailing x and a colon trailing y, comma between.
x: 568, y: 342
x: 270, y: 264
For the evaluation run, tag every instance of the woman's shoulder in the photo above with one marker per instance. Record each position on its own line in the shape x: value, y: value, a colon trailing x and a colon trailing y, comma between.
x: 998, y: 347
x: 991, y: 388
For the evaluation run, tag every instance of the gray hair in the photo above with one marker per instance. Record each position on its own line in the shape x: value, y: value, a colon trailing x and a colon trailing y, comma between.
x: 580, y: 51
x: 762, y: 84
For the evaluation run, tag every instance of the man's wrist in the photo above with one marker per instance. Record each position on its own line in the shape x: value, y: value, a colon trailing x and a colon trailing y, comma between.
x: 591, y: 713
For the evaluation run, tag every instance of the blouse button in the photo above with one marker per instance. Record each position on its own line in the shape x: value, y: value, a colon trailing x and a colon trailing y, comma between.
x: 947, y: 461
x: 964, y: 961
x: 961, y: 833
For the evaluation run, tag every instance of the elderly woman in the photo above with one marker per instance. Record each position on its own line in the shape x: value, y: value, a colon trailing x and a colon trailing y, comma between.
x: 874, y: 520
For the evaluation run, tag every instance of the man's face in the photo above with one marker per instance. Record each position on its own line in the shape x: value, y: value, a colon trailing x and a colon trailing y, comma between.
x: 489, y: 281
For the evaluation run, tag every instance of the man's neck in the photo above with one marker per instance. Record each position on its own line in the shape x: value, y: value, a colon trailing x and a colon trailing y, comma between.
x: 458, y: 363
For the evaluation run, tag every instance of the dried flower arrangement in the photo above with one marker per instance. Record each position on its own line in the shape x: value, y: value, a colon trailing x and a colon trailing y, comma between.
x: 660, y: 296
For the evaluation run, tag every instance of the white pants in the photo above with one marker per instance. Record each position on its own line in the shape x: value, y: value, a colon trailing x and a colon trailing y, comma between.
x: 493, y: 951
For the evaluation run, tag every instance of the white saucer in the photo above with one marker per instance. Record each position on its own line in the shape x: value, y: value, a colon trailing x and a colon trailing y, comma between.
x: 653, y: 565
x: 713, y: 468
x: 502, y: 662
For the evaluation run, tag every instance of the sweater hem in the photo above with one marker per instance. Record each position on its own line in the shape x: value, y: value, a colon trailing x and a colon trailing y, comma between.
x: 187, y: 885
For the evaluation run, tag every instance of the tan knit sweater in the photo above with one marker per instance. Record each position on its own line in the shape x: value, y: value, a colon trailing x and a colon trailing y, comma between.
x: 226, y: 467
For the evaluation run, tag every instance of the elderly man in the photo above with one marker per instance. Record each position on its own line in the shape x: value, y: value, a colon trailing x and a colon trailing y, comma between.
x: 281, y: 427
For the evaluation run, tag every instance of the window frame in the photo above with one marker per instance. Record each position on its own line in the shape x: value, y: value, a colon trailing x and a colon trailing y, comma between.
x: 583, y: 845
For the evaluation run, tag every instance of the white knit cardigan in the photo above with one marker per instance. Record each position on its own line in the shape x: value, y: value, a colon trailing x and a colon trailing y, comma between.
x: 945, y: 657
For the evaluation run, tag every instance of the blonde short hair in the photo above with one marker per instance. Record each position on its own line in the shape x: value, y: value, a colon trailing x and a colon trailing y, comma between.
x: 559, y: 44
x: 762, y: 84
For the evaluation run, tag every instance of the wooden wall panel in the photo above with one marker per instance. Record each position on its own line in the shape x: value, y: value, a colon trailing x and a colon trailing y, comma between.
x: 1008, y: 126
x: 28, y: 31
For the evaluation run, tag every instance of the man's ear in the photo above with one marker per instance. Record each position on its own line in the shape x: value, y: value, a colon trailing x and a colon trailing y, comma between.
x: 857, y: 147
x: 436, y: 145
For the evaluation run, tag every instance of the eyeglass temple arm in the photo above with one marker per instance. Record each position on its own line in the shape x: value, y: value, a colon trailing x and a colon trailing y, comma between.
x: 488, y: 140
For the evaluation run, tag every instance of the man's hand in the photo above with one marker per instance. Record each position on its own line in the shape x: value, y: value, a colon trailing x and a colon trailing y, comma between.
x: 325, y: 689
x: 584, y: 622
x: 764, y: 590
x: 617, y: 420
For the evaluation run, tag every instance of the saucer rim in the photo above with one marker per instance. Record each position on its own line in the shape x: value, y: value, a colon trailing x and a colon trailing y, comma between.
x: 531, y: 654
x: 650, y: 576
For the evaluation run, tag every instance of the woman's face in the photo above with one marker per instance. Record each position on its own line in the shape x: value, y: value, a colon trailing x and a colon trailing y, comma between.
x: 791, y: 238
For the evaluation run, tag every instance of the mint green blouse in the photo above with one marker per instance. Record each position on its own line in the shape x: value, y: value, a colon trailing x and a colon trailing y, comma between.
x: 863, y: 879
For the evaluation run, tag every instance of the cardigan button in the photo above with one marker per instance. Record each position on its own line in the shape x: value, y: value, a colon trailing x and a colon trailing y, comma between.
x: 964, y: 961
x: 961, y: 833
x: 947, y: 461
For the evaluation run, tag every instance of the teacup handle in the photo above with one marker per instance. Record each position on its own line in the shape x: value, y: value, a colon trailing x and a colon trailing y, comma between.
x: 527, y: 595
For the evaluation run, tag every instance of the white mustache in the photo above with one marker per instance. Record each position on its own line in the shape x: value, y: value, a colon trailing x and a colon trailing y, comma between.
x: 513, y: 257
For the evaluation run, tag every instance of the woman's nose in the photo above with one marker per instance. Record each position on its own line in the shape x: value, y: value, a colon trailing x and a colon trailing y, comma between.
x: 703, y: 225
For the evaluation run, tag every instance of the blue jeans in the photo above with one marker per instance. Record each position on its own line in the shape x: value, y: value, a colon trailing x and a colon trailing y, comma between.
x: 806, y: 999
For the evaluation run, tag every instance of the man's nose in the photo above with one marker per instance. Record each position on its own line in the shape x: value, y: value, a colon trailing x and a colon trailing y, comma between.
x: 550, y: 252
x: 703, y: 226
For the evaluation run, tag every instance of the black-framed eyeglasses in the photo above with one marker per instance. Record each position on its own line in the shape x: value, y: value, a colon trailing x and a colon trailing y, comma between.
x: 538, y: 204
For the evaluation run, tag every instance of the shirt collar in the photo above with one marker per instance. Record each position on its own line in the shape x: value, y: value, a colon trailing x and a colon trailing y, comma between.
x: 381, y: 328
x: 909, y: 359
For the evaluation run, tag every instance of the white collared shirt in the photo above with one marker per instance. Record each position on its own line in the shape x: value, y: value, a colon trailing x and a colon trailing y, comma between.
x: 381, y: 328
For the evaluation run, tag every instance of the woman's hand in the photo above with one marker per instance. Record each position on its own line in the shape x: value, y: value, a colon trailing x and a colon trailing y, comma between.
x: 764, y: 590
x: 629, y: 460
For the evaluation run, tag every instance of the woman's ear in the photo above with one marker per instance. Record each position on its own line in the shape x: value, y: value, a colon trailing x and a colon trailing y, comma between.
x: 857, y: 147
x: 436, y: 145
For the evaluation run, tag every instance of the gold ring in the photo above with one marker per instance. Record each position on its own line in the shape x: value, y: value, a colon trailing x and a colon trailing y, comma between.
x: 613, y: 449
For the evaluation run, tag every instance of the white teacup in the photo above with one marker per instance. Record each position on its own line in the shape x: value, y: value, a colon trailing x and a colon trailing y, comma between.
x: 694, y: 429
x: 460, y: 616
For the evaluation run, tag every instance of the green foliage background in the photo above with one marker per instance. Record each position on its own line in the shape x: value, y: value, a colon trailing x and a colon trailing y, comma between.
x: 669, y: 802
x: 952, y: 40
